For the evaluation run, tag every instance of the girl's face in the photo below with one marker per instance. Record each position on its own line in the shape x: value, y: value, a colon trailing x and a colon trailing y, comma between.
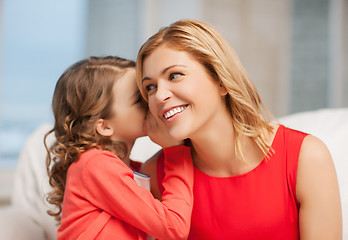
x: 128, y: 109
x: 181, y: 93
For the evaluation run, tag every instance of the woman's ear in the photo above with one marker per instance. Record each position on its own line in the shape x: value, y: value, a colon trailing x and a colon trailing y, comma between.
x: 103, y: 128
x: 222, y: 90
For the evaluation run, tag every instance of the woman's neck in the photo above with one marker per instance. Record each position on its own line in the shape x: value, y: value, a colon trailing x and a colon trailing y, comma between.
x: 213, y: 144
x: 213, y: 150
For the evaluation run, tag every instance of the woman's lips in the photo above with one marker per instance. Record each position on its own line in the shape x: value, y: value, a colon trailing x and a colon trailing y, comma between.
x: 173, y: 111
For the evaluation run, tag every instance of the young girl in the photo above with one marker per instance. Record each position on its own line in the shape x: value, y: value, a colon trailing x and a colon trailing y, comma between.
x: 98, y: 115
x: 254, y: 179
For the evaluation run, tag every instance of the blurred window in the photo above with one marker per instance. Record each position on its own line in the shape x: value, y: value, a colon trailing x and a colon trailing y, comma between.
x: 39, y: 40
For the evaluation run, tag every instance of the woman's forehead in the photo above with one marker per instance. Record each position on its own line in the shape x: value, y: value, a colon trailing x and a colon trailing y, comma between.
x: 164, y: 57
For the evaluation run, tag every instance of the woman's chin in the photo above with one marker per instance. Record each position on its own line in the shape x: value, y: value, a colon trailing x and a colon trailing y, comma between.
x: 178, y: 135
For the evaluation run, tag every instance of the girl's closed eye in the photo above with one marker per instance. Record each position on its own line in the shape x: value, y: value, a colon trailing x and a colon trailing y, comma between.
x: 138, y: 99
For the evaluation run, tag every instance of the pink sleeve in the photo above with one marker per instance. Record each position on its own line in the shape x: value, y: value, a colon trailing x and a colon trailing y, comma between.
x: 110, y: 186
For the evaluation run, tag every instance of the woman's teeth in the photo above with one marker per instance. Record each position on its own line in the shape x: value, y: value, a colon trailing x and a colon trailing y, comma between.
x: 174, y: 111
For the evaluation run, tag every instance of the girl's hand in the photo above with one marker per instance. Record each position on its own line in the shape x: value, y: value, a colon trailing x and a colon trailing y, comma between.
x: 158, y: 132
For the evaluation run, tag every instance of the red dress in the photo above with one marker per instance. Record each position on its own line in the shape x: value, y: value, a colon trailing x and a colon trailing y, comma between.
x: 260, y: 204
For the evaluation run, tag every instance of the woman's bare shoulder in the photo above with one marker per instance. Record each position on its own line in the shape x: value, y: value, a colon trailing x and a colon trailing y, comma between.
x: 317, y: 191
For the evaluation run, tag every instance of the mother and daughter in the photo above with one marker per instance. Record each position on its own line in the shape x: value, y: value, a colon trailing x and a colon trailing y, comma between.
x: 226, y: 171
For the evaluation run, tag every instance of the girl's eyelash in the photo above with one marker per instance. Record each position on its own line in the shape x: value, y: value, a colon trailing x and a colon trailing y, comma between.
x: 138, y: 99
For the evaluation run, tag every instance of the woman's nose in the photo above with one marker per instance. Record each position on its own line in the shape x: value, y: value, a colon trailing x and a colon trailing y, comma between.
x: 163, y: 93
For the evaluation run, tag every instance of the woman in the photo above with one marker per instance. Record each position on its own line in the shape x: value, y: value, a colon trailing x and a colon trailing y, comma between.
x: 254, y: 179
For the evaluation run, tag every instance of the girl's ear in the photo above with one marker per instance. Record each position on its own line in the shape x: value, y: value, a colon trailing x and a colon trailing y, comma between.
x: 103, y: 128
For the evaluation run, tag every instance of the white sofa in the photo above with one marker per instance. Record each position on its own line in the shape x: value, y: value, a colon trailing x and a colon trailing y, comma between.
x: 26, y: 217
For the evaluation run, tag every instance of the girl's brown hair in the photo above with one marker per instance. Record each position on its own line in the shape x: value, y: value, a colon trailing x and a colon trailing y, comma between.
x: 83, y: 94
x: 214, y: 53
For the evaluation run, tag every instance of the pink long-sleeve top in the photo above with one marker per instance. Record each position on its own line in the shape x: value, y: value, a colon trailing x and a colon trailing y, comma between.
x: 102, y: 200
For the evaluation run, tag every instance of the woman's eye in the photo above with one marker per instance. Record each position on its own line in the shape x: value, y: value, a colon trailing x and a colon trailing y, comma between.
x: 150, y: 87
x: 174, y: 75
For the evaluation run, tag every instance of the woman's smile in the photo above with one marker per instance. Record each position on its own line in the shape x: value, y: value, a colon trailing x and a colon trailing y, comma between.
x: 173, y: 112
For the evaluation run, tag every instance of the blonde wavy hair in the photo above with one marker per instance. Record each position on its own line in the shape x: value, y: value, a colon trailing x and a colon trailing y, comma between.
x: 83, y: 94
x: 211, y: 50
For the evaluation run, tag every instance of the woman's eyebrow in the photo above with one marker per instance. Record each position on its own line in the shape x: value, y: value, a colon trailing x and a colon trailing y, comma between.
x: 164, y: 71
x: 172, y: 66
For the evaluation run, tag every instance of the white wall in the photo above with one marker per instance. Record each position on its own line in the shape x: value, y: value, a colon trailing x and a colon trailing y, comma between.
x: 338, y: 23
x: 260, y: 34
